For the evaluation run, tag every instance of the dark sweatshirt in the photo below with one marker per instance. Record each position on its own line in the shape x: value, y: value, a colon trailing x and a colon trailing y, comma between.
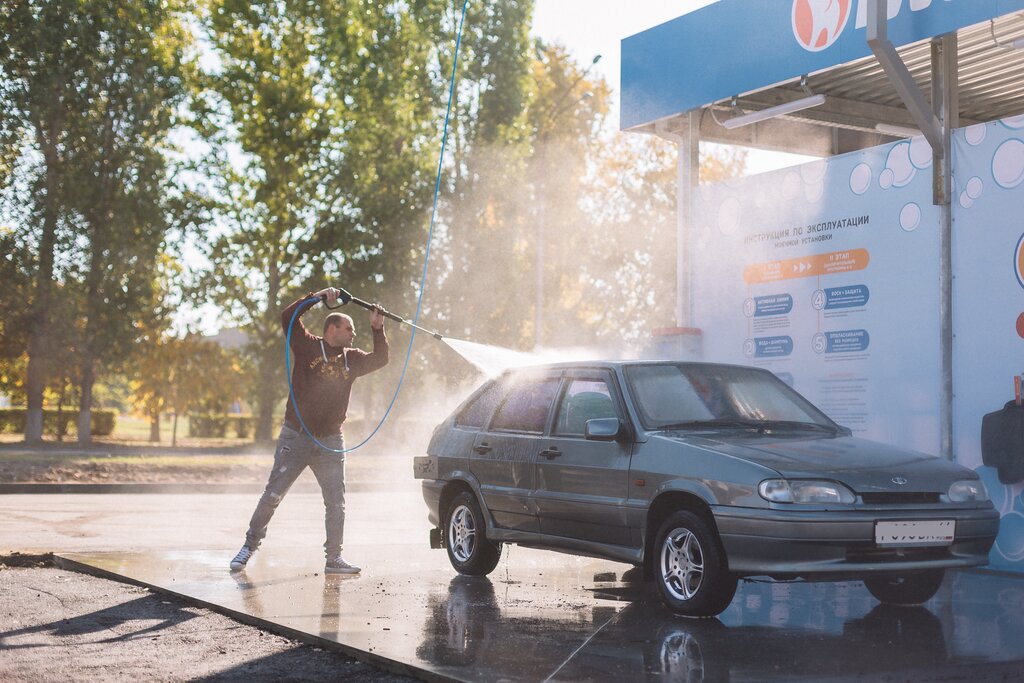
x: 321, y: 389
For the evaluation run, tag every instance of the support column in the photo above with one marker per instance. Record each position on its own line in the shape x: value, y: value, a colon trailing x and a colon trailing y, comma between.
x: 946, y: 107
x: 687, y: 179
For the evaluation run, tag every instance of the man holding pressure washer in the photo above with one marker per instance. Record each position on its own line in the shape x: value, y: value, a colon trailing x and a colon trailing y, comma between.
x: 325, y: 368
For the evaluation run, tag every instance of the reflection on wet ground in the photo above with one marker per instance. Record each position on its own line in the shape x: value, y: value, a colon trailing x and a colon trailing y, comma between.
x: 544, y: 616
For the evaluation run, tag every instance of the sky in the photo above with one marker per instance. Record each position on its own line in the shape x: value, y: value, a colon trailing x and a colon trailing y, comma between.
x: 596, y: 27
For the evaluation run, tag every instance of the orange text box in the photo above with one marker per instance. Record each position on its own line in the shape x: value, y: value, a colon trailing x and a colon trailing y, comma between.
x: 807, y: 266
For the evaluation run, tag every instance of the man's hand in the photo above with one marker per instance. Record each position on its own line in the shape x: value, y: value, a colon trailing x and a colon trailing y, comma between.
x: 330, y: 294
x: 377, y: 317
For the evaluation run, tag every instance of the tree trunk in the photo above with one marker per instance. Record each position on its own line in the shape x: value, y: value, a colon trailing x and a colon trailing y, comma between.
x: 39, y: 319
x: 267, y: 391
x: 174, y: 430
x: 154, y: 426
x: 85, y: 412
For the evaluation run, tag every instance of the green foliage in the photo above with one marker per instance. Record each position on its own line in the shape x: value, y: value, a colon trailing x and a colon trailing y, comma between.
x: 57, y: 423
x: 207, y: 425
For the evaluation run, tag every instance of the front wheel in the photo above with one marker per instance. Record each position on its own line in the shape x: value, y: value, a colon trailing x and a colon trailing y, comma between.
x: 691, y: 572
x: 912, y: 589
x: 465, y: 537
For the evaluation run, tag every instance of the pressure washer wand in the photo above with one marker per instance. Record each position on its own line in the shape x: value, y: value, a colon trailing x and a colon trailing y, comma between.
x: 344, y: 297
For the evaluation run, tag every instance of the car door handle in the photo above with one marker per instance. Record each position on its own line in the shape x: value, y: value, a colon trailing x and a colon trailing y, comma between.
x: 482, y: 449
x: 551, y: 453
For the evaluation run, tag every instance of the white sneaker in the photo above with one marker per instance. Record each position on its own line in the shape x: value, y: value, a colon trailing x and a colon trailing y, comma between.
x: 336, y: 565
x: 242, y: 558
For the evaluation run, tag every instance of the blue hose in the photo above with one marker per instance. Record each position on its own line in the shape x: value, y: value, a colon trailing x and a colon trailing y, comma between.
x: 423, y: 279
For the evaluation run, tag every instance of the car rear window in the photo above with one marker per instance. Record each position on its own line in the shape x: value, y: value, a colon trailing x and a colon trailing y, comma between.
x: 526, y: 406
x: 474, y: 416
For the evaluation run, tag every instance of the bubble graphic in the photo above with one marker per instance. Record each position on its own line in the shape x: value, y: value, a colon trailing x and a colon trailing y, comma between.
x: 1008, y: 164
x: 792, y: 186
x: 998, y: 492
x: 729, y: 216
x: 1020, y: 325
x: 1010, y: 542
x: 814, y: 192
x: 885, y: 179
x: 813, y: 172
x: 966, y: 201
x: 1014, y: 122
x: 920, y: 152
x: 899, y: 163
x: 860, y: 179
x: 974, y: 187
x: 910, y: 216
x: 975, y: 134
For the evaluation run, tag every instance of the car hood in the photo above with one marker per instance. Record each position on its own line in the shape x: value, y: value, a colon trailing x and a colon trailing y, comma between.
x: 864, y: 466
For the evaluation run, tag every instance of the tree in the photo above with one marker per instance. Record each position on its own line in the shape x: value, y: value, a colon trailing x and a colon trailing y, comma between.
x: 41, y: 59
x: 334, y: 107
x: 99, y: 88
x: 122, y: 175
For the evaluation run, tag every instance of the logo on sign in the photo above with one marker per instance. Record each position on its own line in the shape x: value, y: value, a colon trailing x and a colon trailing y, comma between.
x: 1018, y: 261
x: 817, y: 24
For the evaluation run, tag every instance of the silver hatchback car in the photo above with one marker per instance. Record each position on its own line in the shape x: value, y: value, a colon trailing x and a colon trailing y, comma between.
x: 701, y: 474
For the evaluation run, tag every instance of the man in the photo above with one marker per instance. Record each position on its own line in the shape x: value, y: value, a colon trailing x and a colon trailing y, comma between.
x: 322, y: 376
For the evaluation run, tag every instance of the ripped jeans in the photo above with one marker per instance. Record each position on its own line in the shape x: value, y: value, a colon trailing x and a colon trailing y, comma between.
x: 295, y: 452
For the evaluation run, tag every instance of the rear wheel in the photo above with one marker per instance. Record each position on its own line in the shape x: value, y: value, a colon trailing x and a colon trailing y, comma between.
x: 465, y: 537
x: 912, y: 589
x: 690, y: 569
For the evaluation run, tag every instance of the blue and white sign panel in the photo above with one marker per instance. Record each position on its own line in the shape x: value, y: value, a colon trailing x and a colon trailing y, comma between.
x: 988, y: 304
x: 826, y: 275
x: 738, y: 46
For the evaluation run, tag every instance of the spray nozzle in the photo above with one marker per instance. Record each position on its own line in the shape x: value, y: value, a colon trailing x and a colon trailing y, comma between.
x: 344, y: 298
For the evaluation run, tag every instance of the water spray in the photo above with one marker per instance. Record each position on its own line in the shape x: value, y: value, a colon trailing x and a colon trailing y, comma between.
x: 344, y: 297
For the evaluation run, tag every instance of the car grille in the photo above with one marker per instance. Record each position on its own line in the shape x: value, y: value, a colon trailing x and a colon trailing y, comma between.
x: 900, y: 498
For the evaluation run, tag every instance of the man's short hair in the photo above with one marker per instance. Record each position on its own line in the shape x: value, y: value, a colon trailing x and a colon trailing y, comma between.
x: 335, y: 319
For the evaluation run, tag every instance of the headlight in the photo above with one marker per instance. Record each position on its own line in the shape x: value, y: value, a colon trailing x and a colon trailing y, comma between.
x: 804, y: 491
x: 968, y: 491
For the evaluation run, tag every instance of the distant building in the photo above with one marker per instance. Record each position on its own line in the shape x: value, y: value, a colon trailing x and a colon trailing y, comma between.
x: 230, y: 338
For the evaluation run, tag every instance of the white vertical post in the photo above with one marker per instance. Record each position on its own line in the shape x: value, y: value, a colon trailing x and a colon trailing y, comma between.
x: 687, y: 180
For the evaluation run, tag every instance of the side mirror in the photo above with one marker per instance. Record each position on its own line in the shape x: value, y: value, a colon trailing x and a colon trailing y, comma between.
x: 602, y: 429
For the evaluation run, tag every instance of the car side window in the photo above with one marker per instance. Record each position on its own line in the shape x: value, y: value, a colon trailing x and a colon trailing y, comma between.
x: 526, y: 406
x: 474, y: 416
x: 584, y: 399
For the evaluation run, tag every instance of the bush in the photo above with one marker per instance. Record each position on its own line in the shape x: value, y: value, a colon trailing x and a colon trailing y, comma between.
x: 242, y: 425
x: 207, y: 425
x: 64, y: 422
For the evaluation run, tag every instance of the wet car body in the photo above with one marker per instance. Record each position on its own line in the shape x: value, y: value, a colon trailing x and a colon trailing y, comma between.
x: 590, y: 458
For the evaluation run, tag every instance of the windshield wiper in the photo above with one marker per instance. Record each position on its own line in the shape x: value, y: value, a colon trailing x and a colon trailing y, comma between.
x: 759, y: 425
x: 776, y: 425
x: 714, y: 424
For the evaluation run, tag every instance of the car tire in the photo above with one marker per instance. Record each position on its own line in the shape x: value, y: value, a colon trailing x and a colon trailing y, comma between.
x: 689, y: 567
x: 911, y: 589
x: 465, y: 537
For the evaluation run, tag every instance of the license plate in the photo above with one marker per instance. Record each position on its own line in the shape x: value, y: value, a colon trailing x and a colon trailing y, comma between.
x: 933, y: 532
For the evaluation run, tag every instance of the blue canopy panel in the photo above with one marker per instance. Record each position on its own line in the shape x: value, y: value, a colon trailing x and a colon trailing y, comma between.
x: 740, y: 46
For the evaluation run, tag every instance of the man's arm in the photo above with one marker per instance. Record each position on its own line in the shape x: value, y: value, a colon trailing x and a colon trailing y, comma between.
x: 364, y: 363
x: 330, y: 293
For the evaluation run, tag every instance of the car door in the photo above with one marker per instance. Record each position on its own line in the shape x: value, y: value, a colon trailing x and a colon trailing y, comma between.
x: 504, y: 454
x: 582, y: 484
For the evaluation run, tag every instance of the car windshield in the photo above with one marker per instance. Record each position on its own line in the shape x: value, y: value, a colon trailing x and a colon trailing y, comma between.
x: 697, y: 396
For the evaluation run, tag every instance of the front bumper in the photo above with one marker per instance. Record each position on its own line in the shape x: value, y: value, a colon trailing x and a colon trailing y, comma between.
x: 831, y: 544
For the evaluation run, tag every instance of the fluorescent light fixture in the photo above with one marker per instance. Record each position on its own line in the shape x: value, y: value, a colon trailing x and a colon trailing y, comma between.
x: 897, y: 131
x: 772, y: 112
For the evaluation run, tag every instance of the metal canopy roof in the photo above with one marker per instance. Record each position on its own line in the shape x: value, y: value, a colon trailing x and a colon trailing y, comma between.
x: 860, y: 96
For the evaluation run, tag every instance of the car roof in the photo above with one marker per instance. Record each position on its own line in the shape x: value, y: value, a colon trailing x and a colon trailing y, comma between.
x: 619, y: 363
